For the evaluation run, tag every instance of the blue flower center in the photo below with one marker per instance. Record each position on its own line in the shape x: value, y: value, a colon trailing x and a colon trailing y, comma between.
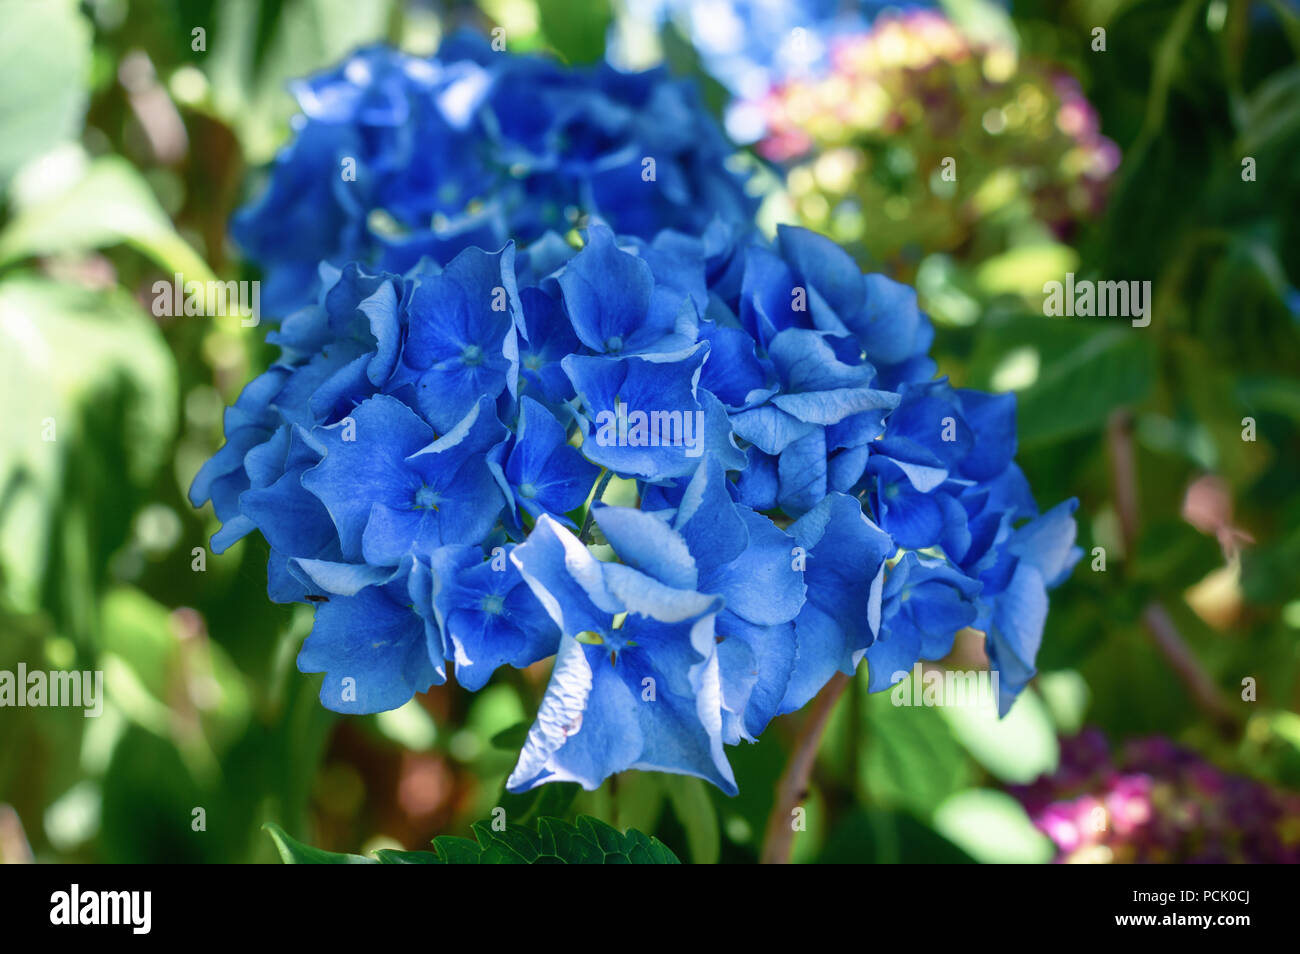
x: 533, y: 362
x: 493, y: 605
x: 614, y: 343
x: 472, y: 355
x: 528, y: 489
x: 426, y: 498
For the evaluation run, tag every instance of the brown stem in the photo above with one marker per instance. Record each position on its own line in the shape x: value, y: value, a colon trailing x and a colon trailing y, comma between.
x: 1156, y: 619
x: 1123, y: 473
x: 1188, y: 668
x: 792, y: 787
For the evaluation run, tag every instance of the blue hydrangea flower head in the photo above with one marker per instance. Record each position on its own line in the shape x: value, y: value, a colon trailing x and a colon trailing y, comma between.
x: 428, y: 456
x: 395, y: 158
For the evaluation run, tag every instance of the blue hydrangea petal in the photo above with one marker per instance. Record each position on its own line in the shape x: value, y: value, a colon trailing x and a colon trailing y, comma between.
x: 761, y: 585
x: 372, y: 647
x: 711, y: 524
x: 566, y: 578
x: 607, y: 295
x: 1047, y: 543
x: 371, y: 468
x: 646, y: 542
x: 587, y: 725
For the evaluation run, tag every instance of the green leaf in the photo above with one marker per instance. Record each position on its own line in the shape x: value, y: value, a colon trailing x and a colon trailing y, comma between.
x: 512, y: 739
x: 96, y: 385
x: 511, y: 845
x: 110, y: 204
x: 553, y: 841
x: 393, y: 856
x: 553, y: 800
x: 993, y: 828
x: 549, y: 841
x: 694, y: 809
x: 147, y: 668
x: 565, y: 841
x: 41, y: 103
x: 872, y: 836
x: 249, y: 80
x: 577, y: 37
x: 912, y: 760
x: 294, y: 852
x: 451, y: 850
x: 1272, y: 112
x: 1018, y: 748
x: 1066, y: 696
x: 1077, y: 392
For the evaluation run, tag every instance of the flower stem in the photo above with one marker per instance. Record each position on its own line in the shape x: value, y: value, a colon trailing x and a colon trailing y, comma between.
x: 601, y: 484
x: 1155, y: 618
x: 1203, y: 690
x: 792, y: 788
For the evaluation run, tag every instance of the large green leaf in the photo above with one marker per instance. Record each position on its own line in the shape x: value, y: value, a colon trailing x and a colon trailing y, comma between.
x: 294, y: 852
x: 551, y: 800
x: 1272, y: 112
x: 912, y: 759
x: 151, y: 676
x: 873, y: 836
x: 548, y: 841
x: 993, y: 828
x: 590, y: 841
x: 694, y: 809
x: 579, y: 37
x: 41, y: 104
x: 110, y: 204
x: 95, y: 388
x: 1017, y: 748
x: 290, y: 40
x: 1077, y: 393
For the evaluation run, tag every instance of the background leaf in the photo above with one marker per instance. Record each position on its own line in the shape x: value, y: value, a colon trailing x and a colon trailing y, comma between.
x: 41, y: 105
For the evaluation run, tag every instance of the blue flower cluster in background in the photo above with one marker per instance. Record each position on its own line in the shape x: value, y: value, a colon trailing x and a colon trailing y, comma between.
x: 428, y: 457
x: 397, y: 157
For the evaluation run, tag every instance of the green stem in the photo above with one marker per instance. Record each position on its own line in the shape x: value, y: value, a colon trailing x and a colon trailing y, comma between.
x: 601, y: 484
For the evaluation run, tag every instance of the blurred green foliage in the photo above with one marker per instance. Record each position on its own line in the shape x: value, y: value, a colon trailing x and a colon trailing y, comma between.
x: 126, y: 144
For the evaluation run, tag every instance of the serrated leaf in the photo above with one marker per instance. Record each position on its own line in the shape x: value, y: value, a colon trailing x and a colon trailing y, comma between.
x: 394, y: 856
x: 457, y: 851
x: 565, y: 842
x: 515, y: 842
x: 552, y: 800
x: 550, y: 841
